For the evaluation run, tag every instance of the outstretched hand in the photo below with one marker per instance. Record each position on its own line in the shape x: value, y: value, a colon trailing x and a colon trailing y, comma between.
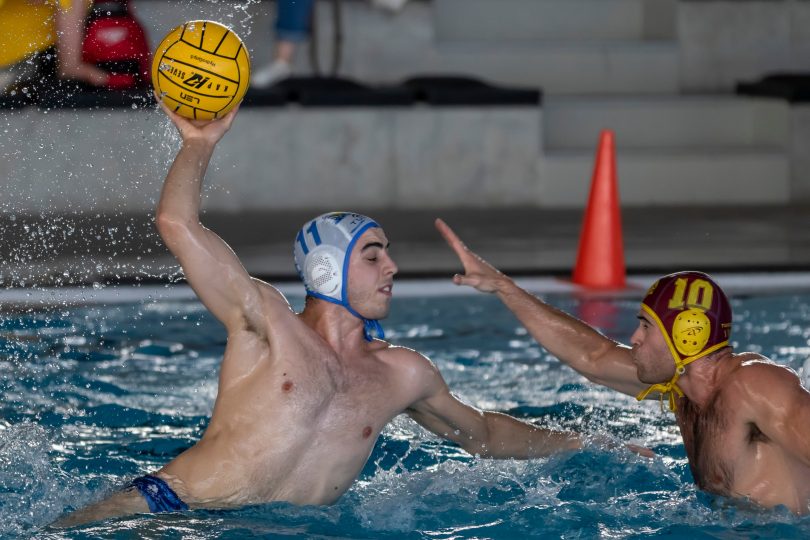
x: 208, y: 130
x: 477, y: 272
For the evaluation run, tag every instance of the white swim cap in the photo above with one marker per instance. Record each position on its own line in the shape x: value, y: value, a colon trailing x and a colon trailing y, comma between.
x: 322, y: 249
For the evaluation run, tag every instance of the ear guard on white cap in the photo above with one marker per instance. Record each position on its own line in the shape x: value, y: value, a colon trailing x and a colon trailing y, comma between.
x: 322, y: 270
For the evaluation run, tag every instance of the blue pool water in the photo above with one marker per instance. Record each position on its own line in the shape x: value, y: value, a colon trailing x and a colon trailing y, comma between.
x: 95, y: 395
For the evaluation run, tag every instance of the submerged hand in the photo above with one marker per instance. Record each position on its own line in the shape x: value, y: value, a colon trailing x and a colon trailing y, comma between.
x: 642, y: 451
x: 609, y: 442
x: 477, y: 272
x: 208, y: 130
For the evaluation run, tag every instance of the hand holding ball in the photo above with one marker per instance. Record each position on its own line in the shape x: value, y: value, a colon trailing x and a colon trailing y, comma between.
x: 201, y: 70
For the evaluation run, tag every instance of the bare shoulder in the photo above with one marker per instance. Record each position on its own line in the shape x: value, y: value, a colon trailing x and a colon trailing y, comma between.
x: 261, y: 305
x: 271, y: 295
x: 406, y: 358
x: 765, y: 393
x: 411, y: 365
x: 758, y: 374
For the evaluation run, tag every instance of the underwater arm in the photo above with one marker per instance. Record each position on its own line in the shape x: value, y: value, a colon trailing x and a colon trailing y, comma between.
x: 209, y: 264
x: 575, y: 343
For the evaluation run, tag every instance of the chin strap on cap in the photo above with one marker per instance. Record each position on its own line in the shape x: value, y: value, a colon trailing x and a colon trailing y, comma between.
x: 371, y: 327
x: 666, y: 389
x: 694, y: 317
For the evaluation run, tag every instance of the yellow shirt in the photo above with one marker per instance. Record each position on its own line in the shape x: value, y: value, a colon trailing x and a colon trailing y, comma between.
x: 26, y: 27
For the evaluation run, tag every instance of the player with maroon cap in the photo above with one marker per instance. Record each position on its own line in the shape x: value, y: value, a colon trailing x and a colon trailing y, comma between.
x: 745, y: 421
x: 694, y: 316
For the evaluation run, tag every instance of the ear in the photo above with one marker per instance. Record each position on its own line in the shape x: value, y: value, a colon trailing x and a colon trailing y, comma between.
x: 324, y: 271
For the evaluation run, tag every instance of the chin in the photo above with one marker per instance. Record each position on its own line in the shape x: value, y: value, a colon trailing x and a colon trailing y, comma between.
x: 379, y: 314
x: 644, y: 378
x: 374, y: 313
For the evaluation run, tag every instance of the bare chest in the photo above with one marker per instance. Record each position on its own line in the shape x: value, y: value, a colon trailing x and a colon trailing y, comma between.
x: 722, y: 448
x: 308, y: 420
x: 317, y: 393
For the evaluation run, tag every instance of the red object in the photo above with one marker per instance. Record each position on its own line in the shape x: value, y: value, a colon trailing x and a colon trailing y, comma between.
x: 116, y: 42
x: 121, y: 81
x: 600, y: 259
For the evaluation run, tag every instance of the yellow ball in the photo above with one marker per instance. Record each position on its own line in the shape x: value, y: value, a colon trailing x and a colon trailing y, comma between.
x: 201, y: 70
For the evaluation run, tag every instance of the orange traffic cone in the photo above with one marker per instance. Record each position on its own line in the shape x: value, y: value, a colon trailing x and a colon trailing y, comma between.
x: 600, y: 260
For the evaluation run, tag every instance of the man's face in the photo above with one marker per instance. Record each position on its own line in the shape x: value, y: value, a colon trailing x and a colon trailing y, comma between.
x: 371, y: 275
x: 653, y: 359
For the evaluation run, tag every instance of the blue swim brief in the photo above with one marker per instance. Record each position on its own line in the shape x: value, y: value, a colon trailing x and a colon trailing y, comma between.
x: 159, y: 496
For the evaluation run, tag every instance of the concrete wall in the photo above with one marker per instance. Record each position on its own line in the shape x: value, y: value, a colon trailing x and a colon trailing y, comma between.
x: 376, y: 46
x: 565, y: 46
x: 660, y: 19
x: 115, y: 161
x: 723, y: 42
x: 288, y: 158
x: 712, y: 44
x: 800, y: 154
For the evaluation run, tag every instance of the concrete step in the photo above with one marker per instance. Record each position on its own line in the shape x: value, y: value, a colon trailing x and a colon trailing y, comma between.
x: 717, y: 177
x: 520, y: 20
x: 595, y: 67
x: 671, y: 122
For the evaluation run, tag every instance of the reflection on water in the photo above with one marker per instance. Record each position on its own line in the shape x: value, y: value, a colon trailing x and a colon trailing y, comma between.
x: 93, y: 396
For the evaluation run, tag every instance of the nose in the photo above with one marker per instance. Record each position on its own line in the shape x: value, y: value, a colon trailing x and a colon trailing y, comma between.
x: 636, y: 338
x: 390, y: 268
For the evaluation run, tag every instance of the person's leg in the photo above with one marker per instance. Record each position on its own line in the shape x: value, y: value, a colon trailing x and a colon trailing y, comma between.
x: 284, y: 51
x: 292, y: 27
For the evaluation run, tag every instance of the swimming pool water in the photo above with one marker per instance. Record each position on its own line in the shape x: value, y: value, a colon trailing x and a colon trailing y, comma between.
x: 95, y: 395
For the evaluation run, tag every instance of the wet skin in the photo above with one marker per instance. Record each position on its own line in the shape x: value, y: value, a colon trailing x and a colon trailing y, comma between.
x: 294, y: 412
x: 743, y: 433
x: 302, y: 397
x: 745, y: 421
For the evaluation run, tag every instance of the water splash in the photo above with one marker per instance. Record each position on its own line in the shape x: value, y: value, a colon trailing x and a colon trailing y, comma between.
x: 33, y: 489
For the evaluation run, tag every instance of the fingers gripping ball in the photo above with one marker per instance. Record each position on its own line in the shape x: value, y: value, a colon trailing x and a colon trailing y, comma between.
x: 201, y: 70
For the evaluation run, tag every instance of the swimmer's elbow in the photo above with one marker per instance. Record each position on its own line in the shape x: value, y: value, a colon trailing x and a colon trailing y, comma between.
x: 478, y: 449
x: 172, y: 227
x: 480, y: 440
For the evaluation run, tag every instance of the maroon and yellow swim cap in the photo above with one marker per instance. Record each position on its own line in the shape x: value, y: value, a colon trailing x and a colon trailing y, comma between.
x: 694, y: 316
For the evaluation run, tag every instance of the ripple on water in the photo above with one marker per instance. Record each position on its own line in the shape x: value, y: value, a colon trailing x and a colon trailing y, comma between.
x: 106, y: 393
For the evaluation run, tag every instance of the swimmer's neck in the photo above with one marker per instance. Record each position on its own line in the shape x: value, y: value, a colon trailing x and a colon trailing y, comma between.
x: 706, y: 375
x: 339, y: 328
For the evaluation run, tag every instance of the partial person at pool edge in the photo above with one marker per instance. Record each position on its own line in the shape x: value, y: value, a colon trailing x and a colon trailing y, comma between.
x: 302, y: 397
x: 745, y: 421
x: 32, y: 31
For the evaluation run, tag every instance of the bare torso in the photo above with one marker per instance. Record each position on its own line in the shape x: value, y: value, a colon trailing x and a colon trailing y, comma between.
x: 730, y: 455
x: 292, y: 420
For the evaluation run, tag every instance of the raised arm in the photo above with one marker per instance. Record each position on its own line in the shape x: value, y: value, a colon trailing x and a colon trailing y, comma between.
x: 575, y: 343
x: 483, y: 433
x: 210, y: 266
